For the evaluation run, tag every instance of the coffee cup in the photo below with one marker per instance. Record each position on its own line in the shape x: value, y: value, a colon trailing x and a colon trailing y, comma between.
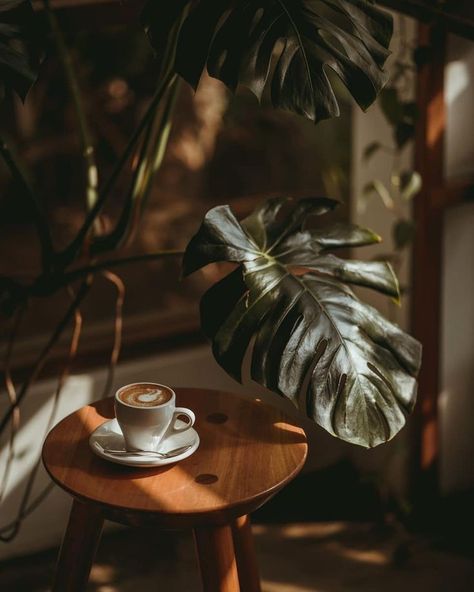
x: 146, y: 413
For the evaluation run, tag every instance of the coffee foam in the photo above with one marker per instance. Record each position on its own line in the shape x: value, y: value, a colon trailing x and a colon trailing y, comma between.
x: 145, y: 396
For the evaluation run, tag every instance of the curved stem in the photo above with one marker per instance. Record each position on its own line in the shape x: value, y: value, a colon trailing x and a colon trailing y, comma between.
x: 41, y: 359
x: 161, y: 143
x: 123, y: 227
x: 9, y: 531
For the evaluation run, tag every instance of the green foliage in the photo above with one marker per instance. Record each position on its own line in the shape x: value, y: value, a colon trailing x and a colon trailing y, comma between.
x: 403, y: 233
x: 401, y: 115
x: 378, y: 188
x: 371, y: 149
x: 361, y: 368
x: 409, y: 183
x: 238, y: 42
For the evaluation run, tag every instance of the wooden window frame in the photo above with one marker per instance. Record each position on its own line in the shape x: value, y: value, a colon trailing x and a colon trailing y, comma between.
x: 430, y: 206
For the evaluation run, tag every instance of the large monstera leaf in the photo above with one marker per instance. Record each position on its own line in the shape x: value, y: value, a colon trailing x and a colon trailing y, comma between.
x: 312, y: 340
x: 287, y: 45
x: 17, y: 31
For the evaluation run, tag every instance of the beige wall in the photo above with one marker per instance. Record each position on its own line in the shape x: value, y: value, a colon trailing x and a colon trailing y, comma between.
x: 390, y: 460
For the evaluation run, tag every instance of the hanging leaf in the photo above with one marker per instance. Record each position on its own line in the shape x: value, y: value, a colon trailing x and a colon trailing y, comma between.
x: 17, y: 33
x: 360, y: 368
x: 410, y: 111
x: 391, y: 106
x: 376, y: 186
x: 404, y: 132
x: 409, y: 184
x: 284, y: 45
x: 403, y: 233
x: 371, y: 149
x: 400, y: 115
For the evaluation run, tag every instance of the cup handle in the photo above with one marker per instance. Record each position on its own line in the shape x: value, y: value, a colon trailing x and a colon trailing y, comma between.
x: 180, y: 411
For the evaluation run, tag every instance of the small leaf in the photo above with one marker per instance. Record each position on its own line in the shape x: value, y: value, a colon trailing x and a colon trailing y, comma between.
x: 376, y: 186
x: 410, y: 112
x: 409, y: 184
x: 404, y: 132
x: 391, y: 106
x: 371, y: 149
x: 403, y: 232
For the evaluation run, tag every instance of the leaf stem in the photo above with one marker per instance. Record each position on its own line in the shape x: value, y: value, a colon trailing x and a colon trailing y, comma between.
x: 151, y: 156
x: 82, y: 271
x: 70, y: 252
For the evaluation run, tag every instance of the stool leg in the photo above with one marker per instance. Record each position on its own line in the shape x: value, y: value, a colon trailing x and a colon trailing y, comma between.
x: 78, y: 548
x: 245, y: 552
x: 216, y: 557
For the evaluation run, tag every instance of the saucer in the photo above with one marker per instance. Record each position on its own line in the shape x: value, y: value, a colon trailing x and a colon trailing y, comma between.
x: 109, y: 435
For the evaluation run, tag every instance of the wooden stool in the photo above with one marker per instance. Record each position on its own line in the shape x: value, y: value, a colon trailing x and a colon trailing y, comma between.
x: 248, y: 452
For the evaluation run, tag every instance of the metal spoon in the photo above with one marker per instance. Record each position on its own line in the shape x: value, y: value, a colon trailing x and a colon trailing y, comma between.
x: 152, y: 453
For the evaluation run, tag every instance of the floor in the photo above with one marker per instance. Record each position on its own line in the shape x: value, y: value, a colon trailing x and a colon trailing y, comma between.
x: 309, y: 557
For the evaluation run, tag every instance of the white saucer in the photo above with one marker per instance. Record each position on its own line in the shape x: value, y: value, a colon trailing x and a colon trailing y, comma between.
x: 109, y: 435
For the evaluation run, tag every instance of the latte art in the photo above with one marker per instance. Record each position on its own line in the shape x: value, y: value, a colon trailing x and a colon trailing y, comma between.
x: 141, y: 395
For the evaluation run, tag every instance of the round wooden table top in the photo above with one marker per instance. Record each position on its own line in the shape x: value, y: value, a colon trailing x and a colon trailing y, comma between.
x: 248, y: 452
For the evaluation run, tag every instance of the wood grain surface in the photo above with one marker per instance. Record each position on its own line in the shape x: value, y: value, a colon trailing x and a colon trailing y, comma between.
x: 248, y: 452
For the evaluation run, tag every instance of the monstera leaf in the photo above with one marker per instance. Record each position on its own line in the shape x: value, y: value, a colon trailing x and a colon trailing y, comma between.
x: 287, y: 45
x: 312, y: 340
x: 16, y: 32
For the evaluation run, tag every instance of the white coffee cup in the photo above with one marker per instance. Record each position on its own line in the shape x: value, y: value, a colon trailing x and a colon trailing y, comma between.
x: 144, y: 427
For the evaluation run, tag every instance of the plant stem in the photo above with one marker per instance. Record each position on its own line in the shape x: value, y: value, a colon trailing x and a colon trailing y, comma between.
x: 148, y: 165
x: 78, y: 273
x: 70, y: 252
x: 161, y: 143
x: 123, y: 227
x: 88, y: 150
x: 42, y: 226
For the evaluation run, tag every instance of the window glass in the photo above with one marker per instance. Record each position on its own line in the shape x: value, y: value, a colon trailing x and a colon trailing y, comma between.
x: 459, y: 97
